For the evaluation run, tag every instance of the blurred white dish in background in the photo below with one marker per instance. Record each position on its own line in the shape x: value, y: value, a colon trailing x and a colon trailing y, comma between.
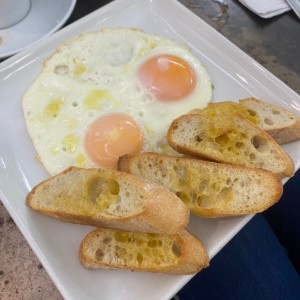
x: 268, y: 8
x: 43, y: 18
x: 12, y: 12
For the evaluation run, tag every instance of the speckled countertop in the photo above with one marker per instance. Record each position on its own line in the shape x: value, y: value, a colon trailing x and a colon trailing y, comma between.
x: 274, y: 43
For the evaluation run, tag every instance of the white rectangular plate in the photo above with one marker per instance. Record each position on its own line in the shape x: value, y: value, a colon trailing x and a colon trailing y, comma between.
x: 234, y: 75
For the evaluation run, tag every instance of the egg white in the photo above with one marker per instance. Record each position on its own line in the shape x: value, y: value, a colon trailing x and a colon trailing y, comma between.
x: 95, y: 74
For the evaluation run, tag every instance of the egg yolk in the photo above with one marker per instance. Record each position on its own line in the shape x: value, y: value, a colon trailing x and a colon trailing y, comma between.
x: 167, y: 77
x: 110, y: 137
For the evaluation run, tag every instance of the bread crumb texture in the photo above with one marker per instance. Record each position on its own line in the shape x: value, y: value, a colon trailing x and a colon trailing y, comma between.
x: 89, y: 193
x: 180, y: 253
x: 133, y: 249
x: 269, y: 116
x: 205, y: 186
x: 229, y: 139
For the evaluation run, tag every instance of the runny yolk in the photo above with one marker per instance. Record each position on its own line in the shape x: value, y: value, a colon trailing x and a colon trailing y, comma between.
x: 110, y: 137
x: 167, y: 77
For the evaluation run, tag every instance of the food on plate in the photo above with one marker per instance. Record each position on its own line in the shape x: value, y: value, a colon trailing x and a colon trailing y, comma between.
x: 109, y: 198
x: 180, y: 253
x: 229, y: 139
x: 209, y: 189
x: 282, y: 125
x: 118, y: 92
x: 108, y: 93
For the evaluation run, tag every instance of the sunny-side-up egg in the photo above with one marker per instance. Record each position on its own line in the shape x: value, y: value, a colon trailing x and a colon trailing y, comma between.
x: 109, y: 93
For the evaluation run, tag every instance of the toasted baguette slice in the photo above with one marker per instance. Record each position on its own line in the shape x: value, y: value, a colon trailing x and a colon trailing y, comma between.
x: 107, y: 198
x: 179, y: 253
x: 282, y: 125
x: 228, y: 139
x: 209, y: 189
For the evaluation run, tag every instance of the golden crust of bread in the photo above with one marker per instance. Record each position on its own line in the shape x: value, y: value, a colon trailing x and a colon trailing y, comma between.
x: 209, y: 189
x: 180, y: 253
x: 107, y: 198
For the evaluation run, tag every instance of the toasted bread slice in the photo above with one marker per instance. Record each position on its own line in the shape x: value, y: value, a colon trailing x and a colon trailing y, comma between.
x: 209, y: 189
x: 180, y: 253
x: 228, y: 139
x: 107, y: 198
x: 282, y: 125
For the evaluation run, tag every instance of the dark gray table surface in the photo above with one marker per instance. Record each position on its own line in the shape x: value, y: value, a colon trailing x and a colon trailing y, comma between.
x: 274, y: 43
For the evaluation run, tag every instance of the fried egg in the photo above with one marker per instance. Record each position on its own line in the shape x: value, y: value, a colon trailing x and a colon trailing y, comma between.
x: 109, y: 93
